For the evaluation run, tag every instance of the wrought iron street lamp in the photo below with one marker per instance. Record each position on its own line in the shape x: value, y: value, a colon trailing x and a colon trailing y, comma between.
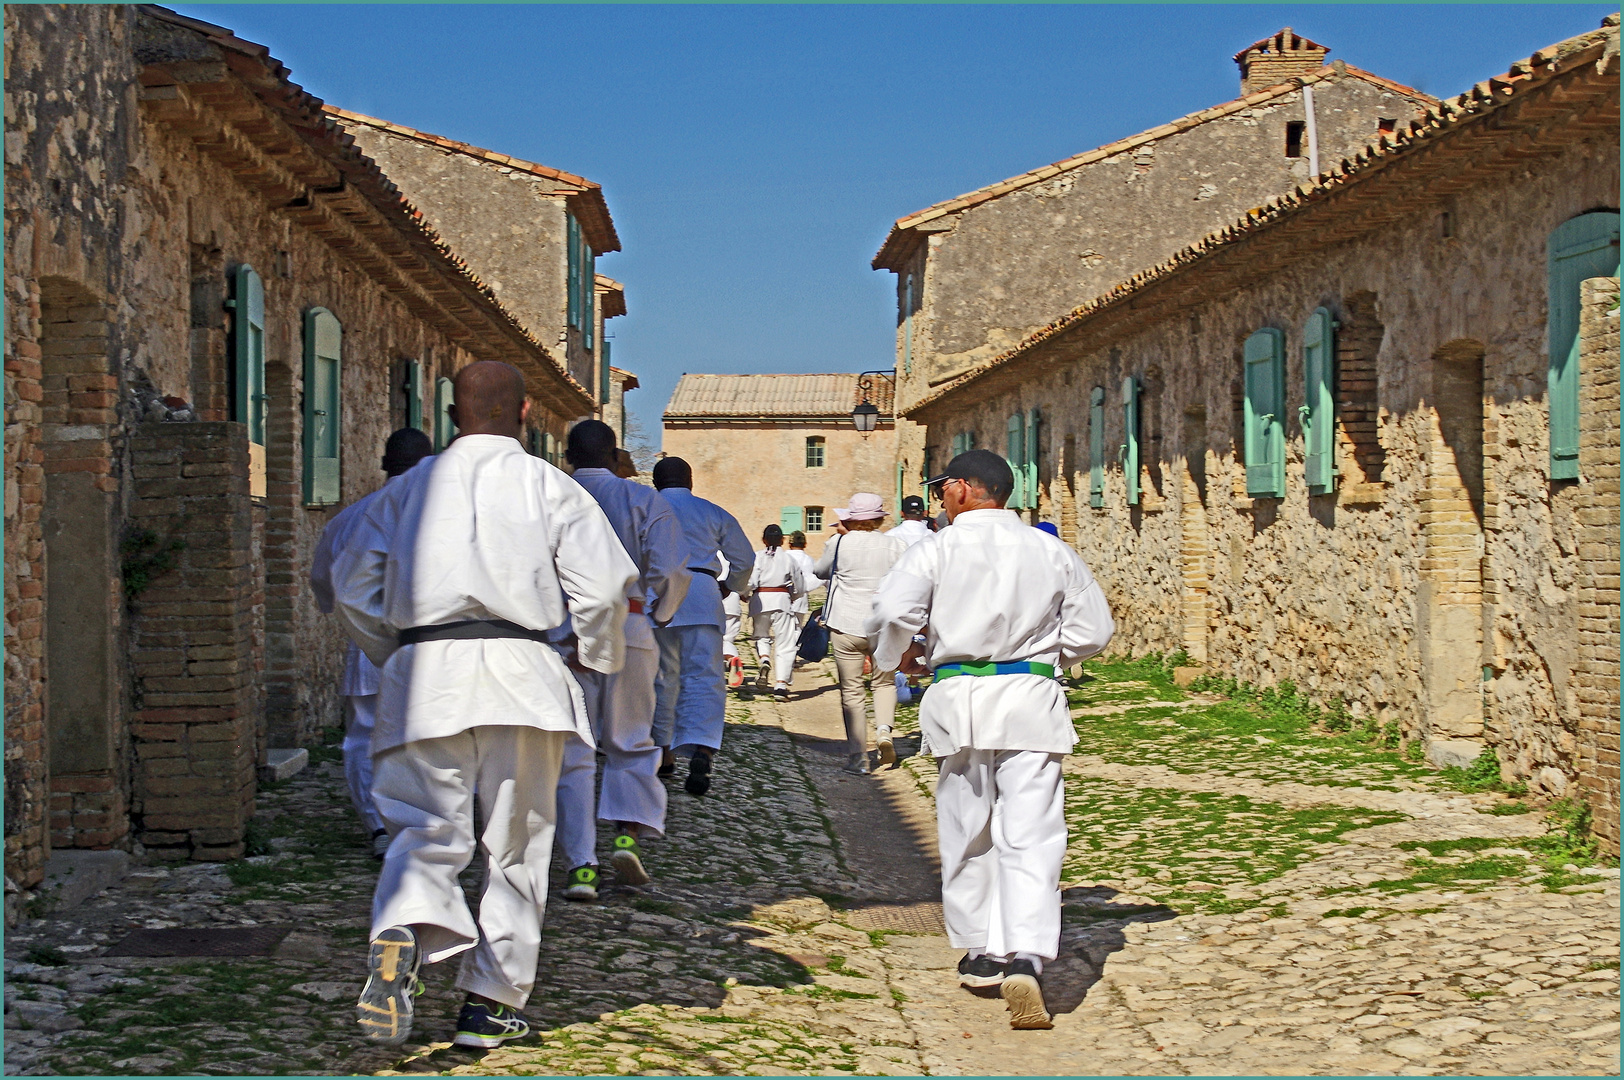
x: 866, y: 414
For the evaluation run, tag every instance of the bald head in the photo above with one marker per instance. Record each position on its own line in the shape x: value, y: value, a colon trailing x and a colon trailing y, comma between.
x: 489, y: 399
x: 672, y: 472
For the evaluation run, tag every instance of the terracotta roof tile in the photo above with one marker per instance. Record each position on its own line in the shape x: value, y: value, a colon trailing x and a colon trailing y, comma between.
x: 1599, y: 47
x: 824, y: 395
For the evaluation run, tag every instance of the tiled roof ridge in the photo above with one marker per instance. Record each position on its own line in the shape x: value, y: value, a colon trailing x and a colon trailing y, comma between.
x: 1131, y: 142
x: 386, y: 197
x: 1487, y: 96
x: 835, y: 398
x: 593, y: 190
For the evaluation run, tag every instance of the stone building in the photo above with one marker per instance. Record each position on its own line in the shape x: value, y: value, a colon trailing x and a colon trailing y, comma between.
x: 782, y: 449
x: 1339, y: 441
x: 977, y: 274
x: 613, y: 411
x: 218, y: 307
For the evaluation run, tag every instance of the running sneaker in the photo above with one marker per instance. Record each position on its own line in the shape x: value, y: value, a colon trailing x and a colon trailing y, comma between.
x: 763, y: 677
x: 628, y: 861
x: 981, y: 972
x: 380, y: 843
x: 888, y: 752
x: 1024, y: 997
x: 735, y: 672
x: 699, y: 773
x: 488, y: 1026
x: 857, y: 763
x: 583, y: 884
x: 384, y: 1010
x: 780, y: 693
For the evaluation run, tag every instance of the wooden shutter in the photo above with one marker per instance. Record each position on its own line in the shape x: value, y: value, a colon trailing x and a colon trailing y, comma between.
x: 248, y: 352
x: 1030, y: 459
x: 1580, y: 248
x: 789, y: 519
x: 1130, y: 438
x: 535, y: 442
x: 1265, y: 359
x: 323, y: 341
x: 573, y: 277
x: 589, y: 296
x: 444, y: 429
x: 1096, y: 447
x: 603, y: 373
x: 414, y: 394
x: 907, y: 322
x: 1015, y: 450
x: 1318, y: 410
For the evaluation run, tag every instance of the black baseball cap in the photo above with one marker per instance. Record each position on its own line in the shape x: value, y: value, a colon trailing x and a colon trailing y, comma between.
x: 913, y: 504
x: 984, y: 468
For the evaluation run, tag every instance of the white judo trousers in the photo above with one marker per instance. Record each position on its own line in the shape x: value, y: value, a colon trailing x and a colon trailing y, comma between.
x: 425, y: 791
x: 358, y: 756
x: 777, y: 636
x: 1001, y: 833
x: 621, y: 710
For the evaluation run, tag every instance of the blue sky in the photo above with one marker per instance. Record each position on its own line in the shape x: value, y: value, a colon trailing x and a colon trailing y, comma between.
x: 754, y: 157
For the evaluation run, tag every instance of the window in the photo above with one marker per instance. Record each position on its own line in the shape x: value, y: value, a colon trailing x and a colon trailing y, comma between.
x: 907, y: 322
x: 582, y: 280
x: 1318, y: 410
x: 964, y: 442
x: 1129, y: 451
x: 248, y: 352
x: 1294, y: 138
x: 814, y: 452
x: 1386, y: 125
x: 789, y: 519
x: 814, y: 519
x: 1264, y: 436
x: 323, y: 339
x: 1022, y: 454
x: 1580, y: 248
x: 444, y: 429
x: 413, y: 387
x: 1096, y: 447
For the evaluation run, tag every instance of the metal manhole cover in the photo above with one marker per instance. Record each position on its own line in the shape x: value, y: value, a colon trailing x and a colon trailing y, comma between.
x: 923, y: 917
x: 202, y: 941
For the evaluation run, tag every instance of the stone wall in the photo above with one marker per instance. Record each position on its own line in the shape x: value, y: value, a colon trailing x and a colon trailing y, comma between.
x: 1598, y: 578
x: 754, y: 468
x: 1445, y: 556
x: 999, y: 270
x: 196, y: 641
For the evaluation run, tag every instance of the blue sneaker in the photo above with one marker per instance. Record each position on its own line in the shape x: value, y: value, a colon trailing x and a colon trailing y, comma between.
x: 488, y: 1026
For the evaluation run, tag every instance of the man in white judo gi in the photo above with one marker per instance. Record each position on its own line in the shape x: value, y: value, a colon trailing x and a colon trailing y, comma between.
x: 621, y: 706
x: 451, y: 584
x: 802, y: 605
x: 359, y: 684
x: 690, y: 694
x: 775, y: 582
x: 1004, y: 607
x: 732, y: 620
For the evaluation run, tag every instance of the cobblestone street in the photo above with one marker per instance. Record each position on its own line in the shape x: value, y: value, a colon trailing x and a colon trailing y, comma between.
x: 1244, y: 896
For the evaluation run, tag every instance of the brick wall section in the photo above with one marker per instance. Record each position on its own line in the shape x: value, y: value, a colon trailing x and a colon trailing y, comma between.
x: 1598, y: 515
x: 195, y: 635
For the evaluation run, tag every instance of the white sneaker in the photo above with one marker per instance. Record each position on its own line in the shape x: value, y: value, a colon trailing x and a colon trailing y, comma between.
x: 380, y: 844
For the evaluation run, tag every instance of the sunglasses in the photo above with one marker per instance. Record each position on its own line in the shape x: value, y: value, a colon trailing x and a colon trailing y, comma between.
x: 938, y: 490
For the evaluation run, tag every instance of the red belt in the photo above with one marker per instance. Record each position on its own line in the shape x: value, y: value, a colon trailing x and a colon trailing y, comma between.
x: 772, y: 588
x: 634, y: 607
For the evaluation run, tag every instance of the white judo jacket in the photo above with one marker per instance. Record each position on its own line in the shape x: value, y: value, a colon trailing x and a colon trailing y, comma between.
x: 483, y: 530
x: 991, y: 588
x: 360, y: 676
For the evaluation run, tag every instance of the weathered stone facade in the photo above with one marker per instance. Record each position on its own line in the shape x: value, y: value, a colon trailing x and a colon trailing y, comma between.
x: 1436, y: 583
x: 753, y: 439
x: 159, y: 632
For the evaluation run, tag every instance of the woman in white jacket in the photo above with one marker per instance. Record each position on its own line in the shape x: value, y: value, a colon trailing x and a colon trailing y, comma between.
x: 853, y: 564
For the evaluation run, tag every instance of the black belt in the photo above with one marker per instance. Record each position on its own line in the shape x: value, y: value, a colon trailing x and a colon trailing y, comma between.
x: 703, y: 570
x: 473, y: 629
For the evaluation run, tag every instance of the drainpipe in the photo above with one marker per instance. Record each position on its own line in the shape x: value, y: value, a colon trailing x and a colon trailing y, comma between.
x: 1313, y: 133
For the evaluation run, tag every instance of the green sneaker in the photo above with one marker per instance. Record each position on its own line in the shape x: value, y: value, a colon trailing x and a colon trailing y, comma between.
x: 627, y: 861
x: 583, y: 883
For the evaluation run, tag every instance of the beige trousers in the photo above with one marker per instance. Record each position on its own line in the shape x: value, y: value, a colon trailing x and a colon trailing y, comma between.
x: 849, y: 651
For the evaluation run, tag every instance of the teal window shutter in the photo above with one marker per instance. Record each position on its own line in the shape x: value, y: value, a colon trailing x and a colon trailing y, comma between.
x: 958, y: 444
x: 907, y: 322
x: 1130, y: 438
x: 444, y: 429
x: 323, y: 341
x: 603, y: 373
x: 414, y: 394
x: 1030, y: 461
x: 1582, y: 247
x: 896, y: 507
x: 1318, y: 410
x: 535, y: 442
x: 1096, y: 447
x: 589, y: 295
x: 789, y: 519
x: 572, y: 230
x: 248, y: 351
x: 1015, y: 453
x: 1265, y: 359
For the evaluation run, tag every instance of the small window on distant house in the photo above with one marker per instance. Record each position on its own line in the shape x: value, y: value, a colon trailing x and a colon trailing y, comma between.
x: 1386, y: 125
x: 814, y: 452
x: 814, y: 519
x: 1294, y: 138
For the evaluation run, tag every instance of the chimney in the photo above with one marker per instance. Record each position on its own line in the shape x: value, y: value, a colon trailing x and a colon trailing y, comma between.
x: 1276, y: 59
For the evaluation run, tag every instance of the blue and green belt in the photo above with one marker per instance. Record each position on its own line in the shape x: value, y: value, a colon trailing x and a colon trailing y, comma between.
x: 1013, y: 667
